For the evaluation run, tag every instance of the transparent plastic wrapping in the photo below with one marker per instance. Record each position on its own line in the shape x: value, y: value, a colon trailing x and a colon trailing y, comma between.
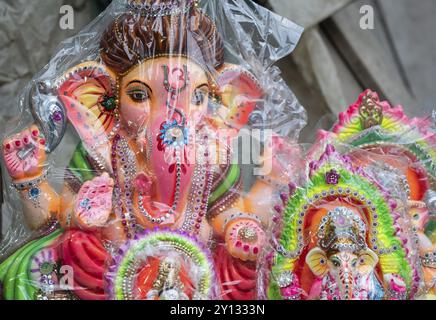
x: 406, y: 147
x: 123, y: 175
x: 376, y: 165
x: 343, y: 236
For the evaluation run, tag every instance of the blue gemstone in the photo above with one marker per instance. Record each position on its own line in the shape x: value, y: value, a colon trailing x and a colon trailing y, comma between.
x: 34, y: 193
x: 84, y: 203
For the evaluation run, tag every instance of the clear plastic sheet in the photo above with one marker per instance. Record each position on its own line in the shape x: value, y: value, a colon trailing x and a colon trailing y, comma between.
x: 386, y: 132
x: 344, y: 236
x: 123, y: 178
x: 377, y: 166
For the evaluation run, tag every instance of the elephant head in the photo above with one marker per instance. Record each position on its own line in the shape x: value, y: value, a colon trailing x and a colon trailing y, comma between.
x: 150, y: 78
x: 344, y: 266
x: 163, y: 85
x: 342, y: 252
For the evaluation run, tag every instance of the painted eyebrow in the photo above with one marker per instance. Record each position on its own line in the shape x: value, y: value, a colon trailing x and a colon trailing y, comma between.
x: 140, y: 82
x: 203, y: 85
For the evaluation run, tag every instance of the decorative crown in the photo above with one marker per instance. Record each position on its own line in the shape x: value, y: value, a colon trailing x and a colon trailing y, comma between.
x: 372, y: 122
x: 370, y: 110
x: 160, y: 8
x: 341, y: 229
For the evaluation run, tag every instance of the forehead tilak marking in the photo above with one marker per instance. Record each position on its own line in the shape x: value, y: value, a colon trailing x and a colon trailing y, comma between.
x: 212, y: 81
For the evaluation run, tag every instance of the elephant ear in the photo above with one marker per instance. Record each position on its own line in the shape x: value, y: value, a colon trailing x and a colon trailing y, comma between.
x: 88, y: 93
x: 316, y: 259
x: 367, y: 261
x: 240, y: 92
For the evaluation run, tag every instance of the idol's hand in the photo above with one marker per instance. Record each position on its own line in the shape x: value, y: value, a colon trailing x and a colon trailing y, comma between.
x: 25, y: 154
x: 94, y: 202
x: 396, y: 286
x: 244, y: 239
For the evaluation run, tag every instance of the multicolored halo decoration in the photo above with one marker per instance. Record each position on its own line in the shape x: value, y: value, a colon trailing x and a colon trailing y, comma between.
x: 353, y: 186
x: 172, y: 249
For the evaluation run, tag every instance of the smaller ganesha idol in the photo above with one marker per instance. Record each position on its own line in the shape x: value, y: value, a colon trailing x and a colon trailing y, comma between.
x: 340, y: 239
x: 153, y: 205
x: 382, y: 134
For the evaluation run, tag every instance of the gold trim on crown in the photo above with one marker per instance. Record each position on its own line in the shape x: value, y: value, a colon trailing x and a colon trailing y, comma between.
x: 342, y: 229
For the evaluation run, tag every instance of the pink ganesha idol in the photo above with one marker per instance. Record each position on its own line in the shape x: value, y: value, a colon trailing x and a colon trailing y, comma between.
x: 340, y: 239
x: 152, y: 206
x: 380, y: 133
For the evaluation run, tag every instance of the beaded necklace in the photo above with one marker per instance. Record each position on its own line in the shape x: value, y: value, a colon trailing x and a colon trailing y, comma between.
x: 121, y: 150
x: 199, y: 193
x: 173, y: 208
x: 124, y: 163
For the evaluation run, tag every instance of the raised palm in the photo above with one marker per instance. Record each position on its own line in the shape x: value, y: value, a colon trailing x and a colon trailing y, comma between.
x: 94, y: 202
x: 245, y: 238
x: 25, y: 154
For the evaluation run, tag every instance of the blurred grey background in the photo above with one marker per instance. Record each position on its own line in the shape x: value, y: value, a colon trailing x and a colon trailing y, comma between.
x: 334, y: 61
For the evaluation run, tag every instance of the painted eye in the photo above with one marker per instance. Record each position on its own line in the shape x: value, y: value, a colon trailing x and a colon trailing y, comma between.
x: 354, y: 263
x: 198, y: 97
x: 138, y: 95
x: 416, y: 216
x: 336, y: 263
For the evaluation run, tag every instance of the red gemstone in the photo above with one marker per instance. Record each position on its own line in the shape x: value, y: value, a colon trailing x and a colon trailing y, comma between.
x: 255, y: 250
x: 18, y: 143
x: 35, y: 133
x: 238, y: 244
x: 197, y: 226
x: 246, y: 248
x: 8, y: 147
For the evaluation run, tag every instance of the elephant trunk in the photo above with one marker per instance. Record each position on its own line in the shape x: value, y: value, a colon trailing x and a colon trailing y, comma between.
x: 346, y: 284
x: 169, y: 157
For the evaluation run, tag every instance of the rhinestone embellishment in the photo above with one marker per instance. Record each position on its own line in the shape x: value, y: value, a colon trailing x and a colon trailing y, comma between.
x: 285, y: 279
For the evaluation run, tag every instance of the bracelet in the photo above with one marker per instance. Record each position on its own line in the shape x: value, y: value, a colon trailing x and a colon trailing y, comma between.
x: 240, y: 215
x: 22, y: 186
